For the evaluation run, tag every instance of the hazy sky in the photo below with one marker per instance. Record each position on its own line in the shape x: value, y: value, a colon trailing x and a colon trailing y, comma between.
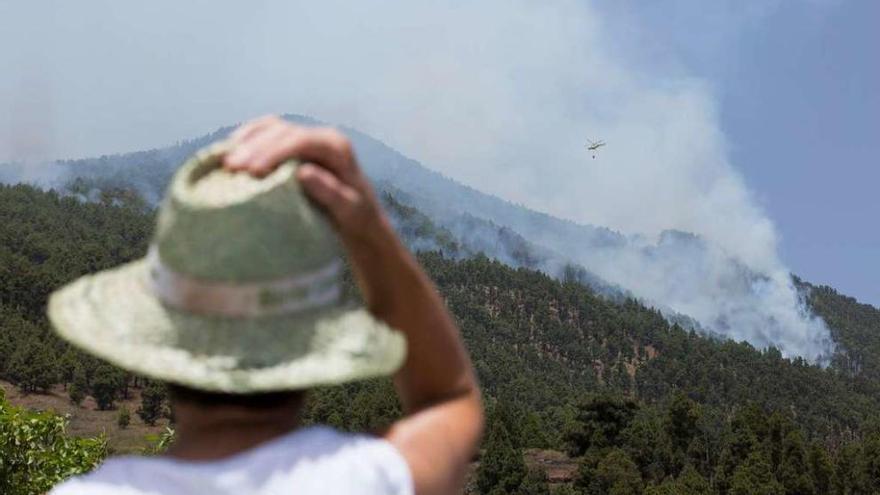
x: 751, y: 123
x: 801, y: 112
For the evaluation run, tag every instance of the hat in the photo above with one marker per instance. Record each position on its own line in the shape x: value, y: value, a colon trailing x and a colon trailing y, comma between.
x: 240, y: 292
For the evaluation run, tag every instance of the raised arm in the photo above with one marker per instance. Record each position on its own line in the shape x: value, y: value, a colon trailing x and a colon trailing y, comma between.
x: 443, y: 412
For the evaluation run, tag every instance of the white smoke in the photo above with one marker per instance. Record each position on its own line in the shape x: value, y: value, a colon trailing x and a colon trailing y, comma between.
x: 499, y: 94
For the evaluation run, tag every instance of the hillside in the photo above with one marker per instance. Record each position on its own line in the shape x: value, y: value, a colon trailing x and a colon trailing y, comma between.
x: 691, y: 280
x: 543, y: 347
x: 854, y: 326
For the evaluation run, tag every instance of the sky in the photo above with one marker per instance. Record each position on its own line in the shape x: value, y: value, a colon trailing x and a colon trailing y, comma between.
x: 751, y: 123
x: 799, y: 106
x: 805, y: 122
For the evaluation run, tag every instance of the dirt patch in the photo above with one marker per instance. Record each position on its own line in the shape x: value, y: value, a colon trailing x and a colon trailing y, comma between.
x: 87, y: 421
x: 558, y: 466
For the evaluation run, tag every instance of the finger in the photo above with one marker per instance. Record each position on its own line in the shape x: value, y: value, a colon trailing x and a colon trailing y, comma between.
x: 326, y: 147
x: 247, y: 129
x: 243, y: 153
x: 264, y: 151
x: 271, y: 148
x: 325, y: 189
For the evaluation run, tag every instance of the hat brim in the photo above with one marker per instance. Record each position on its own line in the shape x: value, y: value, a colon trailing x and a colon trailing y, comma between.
x: 115, y: 316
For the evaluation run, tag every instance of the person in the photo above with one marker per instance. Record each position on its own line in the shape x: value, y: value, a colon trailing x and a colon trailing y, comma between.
x: 195, y: 314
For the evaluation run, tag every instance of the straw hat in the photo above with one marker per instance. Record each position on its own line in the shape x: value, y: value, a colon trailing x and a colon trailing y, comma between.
x: 240, y: 293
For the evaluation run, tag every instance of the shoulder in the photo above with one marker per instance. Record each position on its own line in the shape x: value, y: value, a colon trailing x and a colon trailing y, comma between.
x: 373, y: 460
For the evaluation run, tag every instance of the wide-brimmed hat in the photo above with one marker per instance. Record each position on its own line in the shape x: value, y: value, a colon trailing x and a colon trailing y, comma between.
x: 240, y: 292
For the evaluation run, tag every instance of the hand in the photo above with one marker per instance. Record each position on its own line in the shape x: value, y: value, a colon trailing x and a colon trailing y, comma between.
x: 329, y: 173
x: 437, y: 385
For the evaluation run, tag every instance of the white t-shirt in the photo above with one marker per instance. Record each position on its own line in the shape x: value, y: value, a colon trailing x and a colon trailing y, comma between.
x: 315, y: 460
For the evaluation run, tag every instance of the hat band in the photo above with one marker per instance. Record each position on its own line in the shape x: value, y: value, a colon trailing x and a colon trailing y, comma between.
x: 277, y: 297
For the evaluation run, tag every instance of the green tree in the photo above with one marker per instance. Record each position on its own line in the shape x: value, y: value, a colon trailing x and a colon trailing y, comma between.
x: 35, y: 453
x: 564, y: 490
x: 501, y: 468
x: 689, y: 482
x: 616, y: 474
x: 794, y: 471
x: 33, y: 367
x: 681, y: 421
x: 105, y: 386
x: 152, y: 400
x: 739, y: 441
x: 78, y: 386
x: 599, y: 421
x: 821, y: 469
x: 850, y: 477
x: 871, y: 462
x: 535, y: 483
x: 755, y: 477
x: 648, y: 444
x: 534, y: 432
x: 67, y: 364
x: 123, y: 417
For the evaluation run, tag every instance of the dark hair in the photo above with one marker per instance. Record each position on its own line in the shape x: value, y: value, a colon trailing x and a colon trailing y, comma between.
x: 266, y: 400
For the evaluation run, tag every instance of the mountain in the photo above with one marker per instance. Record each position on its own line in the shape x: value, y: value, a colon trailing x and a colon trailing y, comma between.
x: 692, y: 282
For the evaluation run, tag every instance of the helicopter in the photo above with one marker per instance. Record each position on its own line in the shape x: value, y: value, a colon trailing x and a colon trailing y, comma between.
x: 594, y: 145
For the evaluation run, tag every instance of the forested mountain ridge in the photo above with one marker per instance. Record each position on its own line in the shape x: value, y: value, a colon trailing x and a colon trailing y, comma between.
x: 676, y: 272
x: 543, y: 348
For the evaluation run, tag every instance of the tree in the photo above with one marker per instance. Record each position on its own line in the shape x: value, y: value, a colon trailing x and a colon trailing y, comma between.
x: 647, y: 443
x: 794, y: 471
x: 564, y: 490
x: 33, y: 367
x: 105, y: 386
x: 689, y: 482
x: 67, y: 364
x: 152, y: 399
x: 850, y: 473
x: 502, y: 468
x: 681, y: 421
x: 617, y: 474
x: 599, y: 421
x: 821, y: 468
x: 78, y: 386
x: 738, y: 443
x: 35, y: 454
x: 755, y: 477
x: 871, y: 463
x: 123, y: 418
x: 534, y: 432
x: 535, y: 483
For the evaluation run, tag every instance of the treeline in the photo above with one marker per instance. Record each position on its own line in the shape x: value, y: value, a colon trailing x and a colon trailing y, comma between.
x: 676, y: 448
x: 46, y: 240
